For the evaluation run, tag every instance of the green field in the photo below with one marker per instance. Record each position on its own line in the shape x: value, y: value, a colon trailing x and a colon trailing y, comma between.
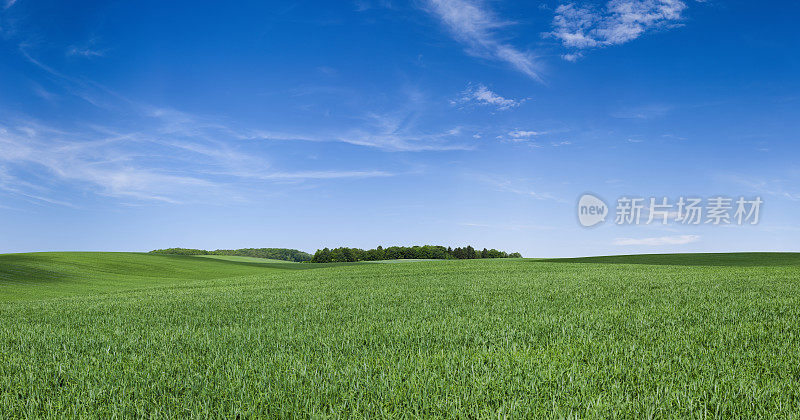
x: 127, y: 334
x: 237, y: 258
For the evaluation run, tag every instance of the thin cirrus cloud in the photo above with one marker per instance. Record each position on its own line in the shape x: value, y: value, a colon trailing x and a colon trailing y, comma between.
x: 516, y: 187
x: 523, y: 134
x: 39, y: 162
x: 325, y: 174
x: 187, y: 165
x: 84, y: 52
x: 171, y: 156
x: 476, y: 27
x: 482, y: 95
x: 385, y: 132
x: 784, y: 187
x: 643, y: 112
x: 397, y: 132
x: 658, y: 241
x: 377, y: 130
x: 620, y: 21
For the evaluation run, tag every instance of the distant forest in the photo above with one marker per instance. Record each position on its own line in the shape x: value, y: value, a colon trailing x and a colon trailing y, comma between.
x: 434, y: 252
x: 271, y: 253
x: 325, y: 255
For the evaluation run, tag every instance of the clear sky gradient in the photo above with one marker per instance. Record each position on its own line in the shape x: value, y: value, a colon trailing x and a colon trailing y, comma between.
x: 151, y: 124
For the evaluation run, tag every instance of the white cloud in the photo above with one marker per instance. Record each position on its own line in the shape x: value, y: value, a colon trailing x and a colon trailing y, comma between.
x: 529, y: 137
x: 662, y: 240
x: 44, y: 93
x: 400, y: 142
x: 164, y: 161
x: 513, y: 187
x: 9, y: 3
x: 508, y: 226
x: 778, y: 187
x: 396, y: 132
x: 325, y: 174
x: 476, y: 27
x: 364, y: 5
x: 107, y: 164
x: 620, y: 21
x: 482, y: 95
x: 389, y: 131
x: 520, y: 134
x: 162, y: 154
x: 84, y: 52
x: 642, y: 112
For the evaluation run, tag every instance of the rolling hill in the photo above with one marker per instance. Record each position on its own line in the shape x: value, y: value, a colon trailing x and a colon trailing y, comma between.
x: 128, y: 335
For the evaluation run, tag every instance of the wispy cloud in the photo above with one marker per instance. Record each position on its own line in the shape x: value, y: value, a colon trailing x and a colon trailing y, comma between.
x: 183, y: 166
x: 778, y: 187
x: 9, y: 3
x: 43, y: 93
x: 524, y: 134
x: 84, y: 52
x: 160, y: 154
x: 658, y: 241
x: 533, y: 138
x: 91, y: 92
x: 397, y: 132
x: 389, y: 130
x: 520, y: 226
x: 642, y: 112
x: 325, y: 174
x: 620, y: 21
x: 364, y: 5
x: 401, y: 142
x: 514, y: 187
x: 475, y: 26
x: 481, y: 95
x: 108, y: 165
x: 16, y: 186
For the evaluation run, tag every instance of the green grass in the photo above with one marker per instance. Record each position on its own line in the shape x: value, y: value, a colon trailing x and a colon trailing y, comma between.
x: 55, y: 274
x: 102, y: 335
x: 743, y: 259
x: 244, y: 259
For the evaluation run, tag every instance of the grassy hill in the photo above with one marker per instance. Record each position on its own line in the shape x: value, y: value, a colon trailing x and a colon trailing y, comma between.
x: 126, y: 334
x: 52, y: 274
x: 742, y: 259
x: 237, y: 258
x: 282, y: 254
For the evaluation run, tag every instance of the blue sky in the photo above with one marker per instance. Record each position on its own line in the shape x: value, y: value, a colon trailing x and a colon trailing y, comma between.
x: 141, y: 125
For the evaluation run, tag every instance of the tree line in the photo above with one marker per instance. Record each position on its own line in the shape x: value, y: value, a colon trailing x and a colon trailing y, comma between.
x: 426, y: 252
x: 284, y: 254
x: 344, y: 254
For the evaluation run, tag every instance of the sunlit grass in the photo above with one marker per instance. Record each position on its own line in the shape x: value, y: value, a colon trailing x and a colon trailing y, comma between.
x: 242, y: 259
x: 133, y: 334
